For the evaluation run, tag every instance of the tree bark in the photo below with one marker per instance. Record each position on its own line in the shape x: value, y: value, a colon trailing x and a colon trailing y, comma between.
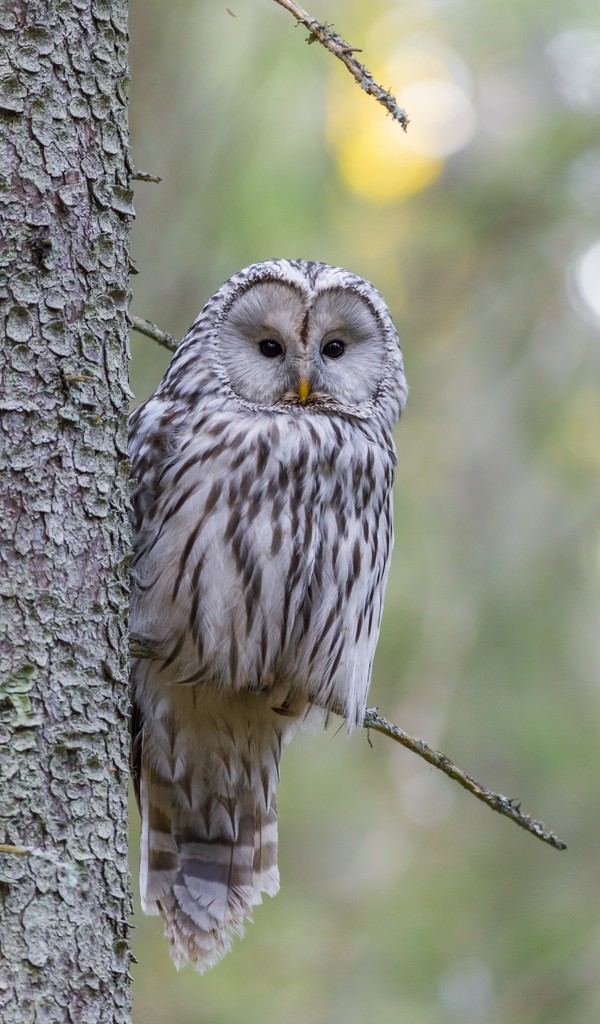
x: 65, y: 204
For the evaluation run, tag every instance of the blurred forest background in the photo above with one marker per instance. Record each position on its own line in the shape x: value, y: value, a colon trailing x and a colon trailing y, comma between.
x: 403, y: 898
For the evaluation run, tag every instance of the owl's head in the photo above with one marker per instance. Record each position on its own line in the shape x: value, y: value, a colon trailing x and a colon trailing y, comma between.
x: 293, y: 335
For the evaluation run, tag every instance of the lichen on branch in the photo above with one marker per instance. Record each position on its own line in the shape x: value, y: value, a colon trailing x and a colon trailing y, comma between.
x: 324, y: 35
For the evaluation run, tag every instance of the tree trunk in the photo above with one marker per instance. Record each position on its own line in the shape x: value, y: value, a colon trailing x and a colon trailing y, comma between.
x: 65, y: 203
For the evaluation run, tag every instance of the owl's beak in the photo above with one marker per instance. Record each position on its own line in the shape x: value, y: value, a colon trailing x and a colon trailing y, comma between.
x: 303, y: 390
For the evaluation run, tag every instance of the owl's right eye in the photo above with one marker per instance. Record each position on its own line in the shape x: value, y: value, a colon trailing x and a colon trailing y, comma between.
x: 270, y: 348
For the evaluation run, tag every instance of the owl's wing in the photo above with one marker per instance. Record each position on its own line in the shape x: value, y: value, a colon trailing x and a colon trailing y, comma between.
x: 135, y: 729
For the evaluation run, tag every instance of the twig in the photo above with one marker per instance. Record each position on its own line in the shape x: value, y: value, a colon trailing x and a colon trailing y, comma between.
x: 142, y: 648
x: 154, y: 332
x: 336, y: 45
x: 145, y: 176
x: 510, y: 808
x: 48, y: 855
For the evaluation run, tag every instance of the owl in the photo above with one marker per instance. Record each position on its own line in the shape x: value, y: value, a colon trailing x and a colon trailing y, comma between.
x: 262, y: 512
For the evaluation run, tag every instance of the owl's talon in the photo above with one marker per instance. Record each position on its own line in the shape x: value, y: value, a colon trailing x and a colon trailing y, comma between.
x: 284, y: 709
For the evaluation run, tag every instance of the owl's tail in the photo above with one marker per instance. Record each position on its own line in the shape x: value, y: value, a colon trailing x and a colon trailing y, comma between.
x: 209, y: 837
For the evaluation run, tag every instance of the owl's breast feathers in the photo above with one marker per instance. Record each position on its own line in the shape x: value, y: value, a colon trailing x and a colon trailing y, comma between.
x: 262, y: 553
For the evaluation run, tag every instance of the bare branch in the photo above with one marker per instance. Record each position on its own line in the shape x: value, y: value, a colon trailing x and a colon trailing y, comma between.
x: 154, y: 332
x: 510, y: 808
x: 145, y: 176
x: 336, y: 45
x: 69, y: 868
x: 139, y: 647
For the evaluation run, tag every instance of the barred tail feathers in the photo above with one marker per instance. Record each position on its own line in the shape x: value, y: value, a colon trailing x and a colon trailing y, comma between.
x: 209, y: 829
x: 159, y: 857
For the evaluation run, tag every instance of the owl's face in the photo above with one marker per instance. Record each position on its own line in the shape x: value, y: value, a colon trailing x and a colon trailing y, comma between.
x: 280, y: 347
x: 293, y: 335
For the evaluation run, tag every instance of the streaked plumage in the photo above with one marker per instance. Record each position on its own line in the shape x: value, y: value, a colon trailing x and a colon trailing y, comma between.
x: 263, y: 534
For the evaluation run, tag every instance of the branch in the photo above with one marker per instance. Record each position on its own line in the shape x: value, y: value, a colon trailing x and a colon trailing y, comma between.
x: 66, y: 866
x: 145, y: 176
x: 510, y: 808
x: 336, y: 45
x: 151, y: 331
x: 139, y: 647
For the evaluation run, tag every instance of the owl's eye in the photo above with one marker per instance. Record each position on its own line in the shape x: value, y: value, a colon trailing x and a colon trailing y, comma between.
x: 270, y: 348
x: 334, y: 349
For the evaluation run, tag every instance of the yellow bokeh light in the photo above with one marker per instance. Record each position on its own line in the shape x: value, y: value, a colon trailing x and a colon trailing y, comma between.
x: 378, y: 166
x: 375, y: 157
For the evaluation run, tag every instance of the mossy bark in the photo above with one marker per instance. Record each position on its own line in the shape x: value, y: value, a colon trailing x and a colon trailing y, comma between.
x: 65, y: 204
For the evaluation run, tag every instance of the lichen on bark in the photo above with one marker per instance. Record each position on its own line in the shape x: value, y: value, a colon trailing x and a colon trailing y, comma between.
x: 65, y: 205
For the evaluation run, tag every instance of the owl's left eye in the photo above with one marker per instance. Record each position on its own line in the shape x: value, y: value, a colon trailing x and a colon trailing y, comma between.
x: 270, y: 348
x: 334, y: 349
